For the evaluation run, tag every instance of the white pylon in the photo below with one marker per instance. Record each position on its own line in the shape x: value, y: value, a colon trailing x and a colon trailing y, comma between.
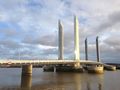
x: 76, y: 39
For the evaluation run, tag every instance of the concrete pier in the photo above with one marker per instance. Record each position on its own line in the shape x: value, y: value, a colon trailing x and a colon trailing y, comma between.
x: 48, y: 68
x: 109, y: 67
x: 97, y: 49
x: 97, y: 69
x: 62, y: 68
x: 86, y: 50
x: 77, y: 67
x: 27, y: 70
x: 67, y: 68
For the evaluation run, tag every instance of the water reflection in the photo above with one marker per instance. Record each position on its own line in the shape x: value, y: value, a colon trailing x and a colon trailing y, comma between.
x: 26, y: 82
x: 95, y: 83
x: 10, y: 80
x: 89, y: 86
x: 100, y: 86
x: 63, y: 81
x: 77, y: 80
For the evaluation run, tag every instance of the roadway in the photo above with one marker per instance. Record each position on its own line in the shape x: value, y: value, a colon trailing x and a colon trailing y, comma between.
x: 45, y: 62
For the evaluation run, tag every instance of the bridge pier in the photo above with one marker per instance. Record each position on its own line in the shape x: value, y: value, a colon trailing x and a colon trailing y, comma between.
x: 62, y: 68
x: 78, y: 67
x: 27, y: 70
x: 48, y: 68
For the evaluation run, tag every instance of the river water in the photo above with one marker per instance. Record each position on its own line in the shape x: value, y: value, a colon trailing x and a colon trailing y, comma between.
x: 11, y: 79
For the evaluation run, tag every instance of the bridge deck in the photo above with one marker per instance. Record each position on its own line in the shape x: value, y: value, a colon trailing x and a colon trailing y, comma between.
x: 40, y: 62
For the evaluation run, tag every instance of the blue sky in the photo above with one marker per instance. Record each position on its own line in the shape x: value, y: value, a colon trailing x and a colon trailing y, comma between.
x: 29, y: 28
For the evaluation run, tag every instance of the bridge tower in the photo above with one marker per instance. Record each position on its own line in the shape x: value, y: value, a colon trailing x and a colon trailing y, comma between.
x: 61, y: 41
x: 76, y: 42
x: 86, y: 49
x: 97, y: 49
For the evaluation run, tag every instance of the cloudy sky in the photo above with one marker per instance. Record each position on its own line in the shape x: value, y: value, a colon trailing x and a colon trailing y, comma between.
x: 29, y: 28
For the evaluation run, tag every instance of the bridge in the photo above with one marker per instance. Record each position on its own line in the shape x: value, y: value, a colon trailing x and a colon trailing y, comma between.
x: 76, y: 63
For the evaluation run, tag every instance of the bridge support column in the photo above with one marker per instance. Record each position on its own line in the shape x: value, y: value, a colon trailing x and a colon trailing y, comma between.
x: 27, y: 69
x: 78, y: 67
x: 48, y: 68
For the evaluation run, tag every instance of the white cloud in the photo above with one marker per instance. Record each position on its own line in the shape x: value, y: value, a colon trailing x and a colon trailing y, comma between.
x: 46, y: 47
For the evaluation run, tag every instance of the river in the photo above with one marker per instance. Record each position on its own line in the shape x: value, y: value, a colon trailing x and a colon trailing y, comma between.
x: 11, y: 79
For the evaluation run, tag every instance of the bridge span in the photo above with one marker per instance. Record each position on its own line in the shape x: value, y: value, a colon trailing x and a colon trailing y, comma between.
x: 61, y: 65
x: 46, y: 62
